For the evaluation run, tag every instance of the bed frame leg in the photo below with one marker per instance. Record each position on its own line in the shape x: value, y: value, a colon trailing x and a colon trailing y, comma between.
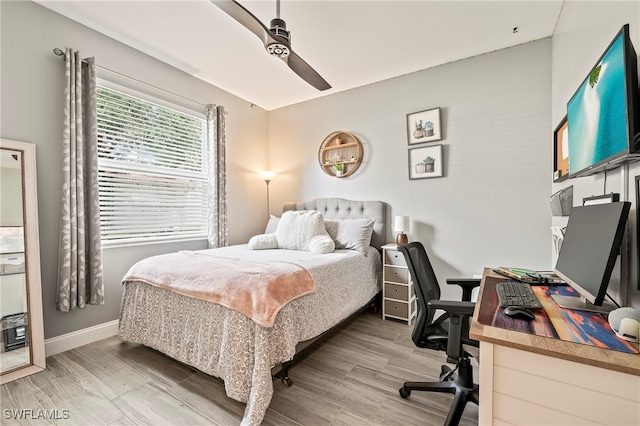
x: 283, y: 374
x: 287, y: 381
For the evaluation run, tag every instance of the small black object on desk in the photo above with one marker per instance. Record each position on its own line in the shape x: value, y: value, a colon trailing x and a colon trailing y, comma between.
x: 519, y: 312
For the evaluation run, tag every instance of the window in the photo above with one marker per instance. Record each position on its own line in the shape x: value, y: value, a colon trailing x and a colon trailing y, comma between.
x: 152, y: 175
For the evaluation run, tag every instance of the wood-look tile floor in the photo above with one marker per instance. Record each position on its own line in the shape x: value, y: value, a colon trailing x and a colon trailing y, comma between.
x: 352, y: 379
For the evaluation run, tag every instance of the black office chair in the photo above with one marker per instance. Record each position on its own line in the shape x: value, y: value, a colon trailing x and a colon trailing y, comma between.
x: 448, y: 333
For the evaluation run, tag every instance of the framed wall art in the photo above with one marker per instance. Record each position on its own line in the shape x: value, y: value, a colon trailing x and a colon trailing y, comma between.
x: 561, y: 151
x: 424, y: 126
x: 425, y: 162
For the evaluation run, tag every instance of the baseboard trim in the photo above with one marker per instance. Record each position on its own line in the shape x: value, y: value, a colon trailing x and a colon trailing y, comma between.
x: 78, y: 338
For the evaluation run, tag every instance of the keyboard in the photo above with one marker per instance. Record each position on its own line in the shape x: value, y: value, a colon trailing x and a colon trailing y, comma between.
x: 514, y: 293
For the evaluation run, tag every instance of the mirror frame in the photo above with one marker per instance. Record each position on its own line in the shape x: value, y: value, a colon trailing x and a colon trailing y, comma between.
x: 32, y: 263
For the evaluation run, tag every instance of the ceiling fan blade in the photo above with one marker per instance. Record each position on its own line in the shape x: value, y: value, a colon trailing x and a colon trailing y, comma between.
x: 246, y: 18
x: 304, y: 70
x: 276, y: 44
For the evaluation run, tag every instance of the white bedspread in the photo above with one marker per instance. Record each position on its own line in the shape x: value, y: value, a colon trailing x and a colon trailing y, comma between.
x: 227, y: 344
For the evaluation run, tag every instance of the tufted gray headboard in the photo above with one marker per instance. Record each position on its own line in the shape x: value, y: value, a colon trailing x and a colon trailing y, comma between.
x: 339, y: 208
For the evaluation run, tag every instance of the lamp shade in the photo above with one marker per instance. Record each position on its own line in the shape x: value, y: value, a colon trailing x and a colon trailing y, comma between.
x: 267, y: 175
x: 401, y: 223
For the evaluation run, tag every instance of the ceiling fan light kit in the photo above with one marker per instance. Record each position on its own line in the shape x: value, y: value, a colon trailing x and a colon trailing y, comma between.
x: 277, y: 40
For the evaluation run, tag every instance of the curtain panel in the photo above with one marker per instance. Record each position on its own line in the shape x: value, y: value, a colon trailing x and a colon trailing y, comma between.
x: 217, y: 176
x: 80, y: 278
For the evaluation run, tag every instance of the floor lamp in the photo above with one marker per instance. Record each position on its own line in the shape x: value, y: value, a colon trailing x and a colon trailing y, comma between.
x: 267, y: 176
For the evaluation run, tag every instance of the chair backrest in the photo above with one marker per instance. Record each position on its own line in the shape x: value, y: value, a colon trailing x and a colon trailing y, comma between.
x: 425, y: 285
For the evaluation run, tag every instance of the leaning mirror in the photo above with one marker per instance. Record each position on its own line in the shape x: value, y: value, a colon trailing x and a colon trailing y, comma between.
x: 22, y: 336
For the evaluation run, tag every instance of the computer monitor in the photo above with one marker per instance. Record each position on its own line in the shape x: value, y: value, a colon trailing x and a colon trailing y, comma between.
x: 588, y: 254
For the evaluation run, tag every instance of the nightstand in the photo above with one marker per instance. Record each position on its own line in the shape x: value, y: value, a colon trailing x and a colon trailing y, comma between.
x: 398, y: 298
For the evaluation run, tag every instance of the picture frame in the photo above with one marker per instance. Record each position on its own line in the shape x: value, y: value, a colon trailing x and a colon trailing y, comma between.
x: 424, y: 126
x: 425, y: 162
x: 561, y: 151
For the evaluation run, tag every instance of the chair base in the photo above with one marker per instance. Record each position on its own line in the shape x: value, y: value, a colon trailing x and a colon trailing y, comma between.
x: 462, y: 387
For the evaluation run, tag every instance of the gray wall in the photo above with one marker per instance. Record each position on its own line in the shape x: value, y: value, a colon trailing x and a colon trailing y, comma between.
x: 496, y: 119
x: 584, y: 31
x: 31, y: 111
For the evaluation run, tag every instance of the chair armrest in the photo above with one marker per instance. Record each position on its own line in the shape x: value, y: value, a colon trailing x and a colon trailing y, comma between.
x: 458, y: 324
x: 453, y: 307
x: 466, y: 284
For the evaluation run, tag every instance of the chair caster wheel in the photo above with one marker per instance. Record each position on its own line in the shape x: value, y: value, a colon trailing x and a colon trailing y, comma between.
x: 287, y: 382
x: 404, y: 393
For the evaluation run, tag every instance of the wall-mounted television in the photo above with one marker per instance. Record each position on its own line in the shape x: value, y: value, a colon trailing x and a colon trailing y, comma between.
x: 603, y: 114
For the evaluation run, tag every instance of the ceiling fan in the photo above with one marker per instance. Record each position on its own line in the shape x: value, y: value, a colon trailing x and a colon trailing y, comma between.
x: 277, y: 40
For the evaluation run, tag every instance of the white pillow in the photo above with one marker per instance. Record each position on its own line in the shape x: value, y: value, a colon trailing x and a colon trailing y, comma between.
x: 263, y: 241
x: 296, y: 229
x: 321, y: 244
x: 352, y: 234
x: 272, y: 224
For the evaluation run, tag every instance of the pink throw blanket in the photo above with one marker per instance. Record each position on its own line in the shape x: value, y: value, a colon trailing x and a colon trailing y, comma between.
x: 257, y: 289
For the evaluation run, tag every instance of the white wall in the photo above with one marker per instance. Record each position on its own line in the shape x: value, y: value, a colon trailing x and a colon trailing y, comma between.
x: 584, y: 31
x: 31, y: 111
x: 496, y: 119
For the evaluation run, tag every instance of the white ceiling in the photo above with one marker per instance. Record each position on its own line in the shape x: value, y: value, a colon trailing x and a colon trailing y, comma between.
x: 350, y: 43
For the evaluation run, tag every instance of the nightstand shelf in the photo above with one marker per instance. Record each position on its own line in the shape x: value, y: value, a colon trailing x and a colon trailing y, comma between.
x: 398, y: 297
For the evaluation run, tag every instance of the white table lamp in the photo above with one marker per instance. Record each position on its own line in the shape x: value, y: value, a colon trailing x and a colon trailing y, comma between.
x: 401, y: 224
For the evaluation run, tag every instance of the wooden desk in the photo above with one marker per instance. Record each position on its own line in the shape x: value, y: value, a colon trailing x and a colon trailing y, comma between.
x: 530, y: 379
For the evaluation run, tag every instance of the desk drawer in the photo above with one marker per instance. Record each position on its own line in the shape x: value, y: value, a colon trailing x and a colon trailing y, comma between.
x: 394, y: 291
x: 393, y: 257
x: 396, y: 275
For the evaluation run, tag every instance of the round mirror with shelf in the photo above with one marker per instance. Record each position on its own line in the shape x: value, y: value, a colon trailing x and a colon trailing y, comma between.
x: 340, y: 154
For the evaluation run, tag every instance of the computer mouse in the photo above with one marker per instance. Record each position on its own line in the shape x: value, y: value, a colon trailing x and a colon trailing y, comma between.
x: 519, y: 312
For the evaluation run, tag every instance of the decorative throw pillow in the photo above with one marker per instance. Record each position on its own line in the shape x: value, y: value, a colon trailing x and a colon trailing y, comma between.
x: 272, y: 224
x: 296, y: 229
x: 352, y: 234
x: 321, y: 244
x: 263, y: 242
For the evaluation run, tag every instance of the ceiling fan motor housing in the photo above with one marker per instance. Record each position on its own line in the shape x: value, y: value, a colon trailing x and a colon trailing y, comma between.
x: 279, y: 28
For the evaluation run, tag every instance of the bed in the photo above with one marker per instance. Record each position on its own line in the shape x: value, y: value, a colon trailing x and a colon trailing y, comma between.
x: 225, y: 343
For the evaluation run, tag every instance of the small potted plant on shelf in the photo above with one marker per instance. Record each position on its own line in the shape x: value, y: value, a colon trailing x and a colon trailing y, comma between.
x: 339, y: 167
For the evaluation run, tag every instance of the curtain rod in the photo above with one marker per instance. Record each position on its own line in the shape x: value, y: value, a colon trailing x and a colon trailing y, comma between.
x: 59, y: 52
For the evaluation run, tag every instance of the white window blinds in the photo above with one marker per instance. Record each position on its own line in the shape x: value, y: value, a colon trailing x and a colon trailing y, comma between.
x: 152, y: 170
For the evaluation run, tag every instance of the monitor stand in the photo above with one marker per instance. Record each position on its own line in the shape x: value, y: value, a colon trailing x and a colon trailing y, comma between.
x: 582, y: 304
